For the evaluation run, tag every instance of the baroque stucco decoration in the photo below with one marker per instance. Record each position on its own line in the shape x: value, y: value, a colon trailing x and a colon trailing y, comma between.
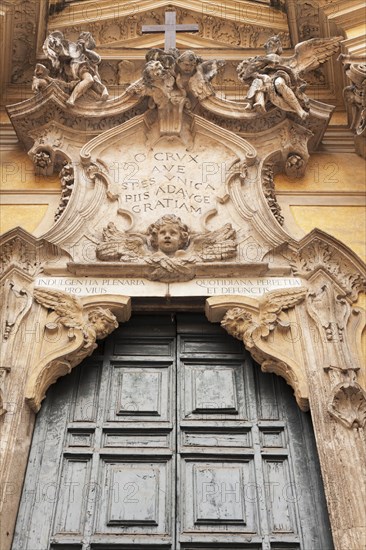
x: 171, y: 153
x: 70, y: 326
x: 167, y: 168
x: 168, y: 247
x: 355, y: 98
x: 333, y: 280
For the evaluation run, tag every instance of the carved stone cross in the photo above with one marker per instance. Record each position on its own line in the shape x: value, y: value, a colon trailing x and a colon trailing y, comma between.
x: 170, y: 29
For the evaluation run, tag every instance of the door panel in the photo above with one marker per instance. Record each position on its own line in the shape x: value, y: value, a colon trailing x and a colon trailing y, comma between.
x: 171, y: 438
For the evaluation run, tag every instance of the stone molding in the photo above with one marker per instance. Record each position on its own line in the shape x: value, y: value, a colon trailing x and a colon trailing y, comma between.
x: 44, y: 335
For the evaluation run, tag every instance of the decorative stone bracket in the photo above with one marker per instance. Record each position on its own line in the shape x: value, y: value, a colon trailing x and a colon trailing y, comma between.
x: 269, y: 329
x: 69, y: 335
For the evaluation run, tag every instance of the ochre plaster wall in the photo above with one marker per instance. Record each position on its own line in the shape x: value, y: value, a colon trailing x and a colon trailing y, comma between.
x: 329, y: 176
x: 340, y: 172
x: 346, y: 223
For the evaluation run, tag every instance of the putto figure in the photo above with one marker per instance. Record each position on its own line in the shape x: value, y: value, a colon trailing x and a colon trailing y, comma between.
x: 278, y: 79
x: 176, y: 75
x: 75, y: 63
x: 169, y: 247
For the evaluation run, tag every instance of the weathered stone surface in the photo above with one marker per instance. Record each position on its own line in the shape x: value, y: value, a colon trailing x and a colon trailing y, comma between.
x: 161, y: 193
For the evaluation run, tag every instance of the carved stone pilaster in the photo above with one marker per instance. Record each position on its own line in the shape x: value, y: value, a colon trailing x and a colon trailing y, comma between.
x: 335, y: 280
x: 335, y: 323
x: 331, y: 329
x: 44, y: 335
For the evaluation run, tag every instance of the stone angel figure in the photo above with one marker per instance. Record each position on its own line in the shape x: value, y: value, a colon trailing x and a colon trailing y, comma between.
x: 157, y: 82
x: 169, y: 247
x: 97, y: 324
x: 75, y: 63
x: 169, y: 75
x: 278, y: 79
x: 195, y: 75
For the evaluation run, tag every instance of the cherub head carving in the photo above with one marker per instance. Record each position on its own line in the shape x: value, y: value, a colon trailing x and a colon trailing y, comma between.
x: 187, y: 62
x: 102, y: 321
x: 168, y: 235
x: 42, y: 159
x: 274, y: 45
x: 153, y: 71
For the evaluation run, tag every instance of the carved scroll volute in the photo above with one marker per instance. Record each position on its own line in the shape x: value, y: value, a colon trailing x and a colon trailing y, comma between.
x: 68, y: 335
x: 336, y: 335
x: 271, y: 331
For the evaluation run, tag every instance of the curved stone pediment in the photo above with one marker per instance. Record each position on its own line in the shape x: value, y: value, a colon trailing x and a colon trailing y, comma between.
x: 130, y: 176
x: 86, y: 116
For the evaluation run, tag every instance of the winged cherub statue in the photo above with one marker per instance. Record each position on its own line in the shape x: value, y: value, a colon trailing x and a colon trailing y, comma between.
x: 95, y: 324
x: 76, y: 63
x: 168, y: 246
x: 278, y: 79
x: 169, y: 75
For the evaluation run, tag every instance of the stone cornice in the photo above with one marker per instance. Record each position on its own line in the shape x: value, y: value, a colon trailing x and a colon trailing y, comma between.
x: 232, y: 10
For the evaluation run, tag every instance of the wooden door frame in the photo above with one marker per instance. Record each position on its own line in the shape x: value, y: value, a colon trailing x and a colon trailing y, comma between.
x: 285, y: 333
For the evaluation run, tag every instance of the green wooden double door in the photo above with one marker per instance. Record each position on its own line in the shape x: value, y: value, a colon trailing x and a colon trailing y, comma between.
x: 169, y: 437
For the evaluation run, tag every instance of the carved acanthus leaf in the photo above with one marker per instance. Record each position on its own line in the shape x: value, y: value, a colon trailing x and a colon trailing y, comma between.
x: 16, y: 253
x: 320, y: 254
x: 269, y: 192
x: 67, y: 184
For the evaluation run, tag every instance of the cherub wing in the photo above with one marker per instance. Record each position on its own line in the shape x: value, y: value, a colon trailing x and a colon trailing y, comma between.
x: 199, y: 86
x: 120, y: 246
x: 312, y: 53
x: 249, y: 66
x: 215, y: 245
x: 68, y: 307
x: 111, y: 233
x: 273, y: 304
x: 200, y: 82
x: 210, y: 68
